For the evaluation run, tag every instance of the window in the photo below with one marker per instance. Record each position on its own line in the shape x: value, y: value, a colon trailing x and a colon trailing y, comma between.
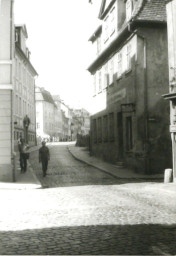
x: 99, y: 129
x: 16, y: 68
x: 16, y: 105
x: 105, y: 128
x: 112, y: 14
x: 128, y: 56
x: 19, y: 70
x: 106, y: 29
x: 119, y: 60
x: 106, y: 76
x: 99, y: 82
x: 111, y: 126
x: 129, y: 9
x: 20, y: 107
x: 111, y: 71
x: 94, y: 85
x: 95, y: 130
x: 16, y: 37
x: 129, y: 133
x: 98, y: 45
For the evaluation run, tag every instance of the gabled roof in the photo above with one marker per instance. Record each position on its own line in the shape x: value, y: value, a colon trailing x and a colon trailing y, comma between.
x: 23, y: 28
x: 150, y: 10
x: 145, y: 10
x: 96, y: 34
x: 45, y: 95
x: 105, y: 5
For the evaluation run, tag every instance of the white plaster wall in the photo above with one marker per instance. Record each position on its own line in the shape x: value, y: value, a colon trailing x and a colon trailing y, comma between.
x: 171, y: 28
x: 6, y: 87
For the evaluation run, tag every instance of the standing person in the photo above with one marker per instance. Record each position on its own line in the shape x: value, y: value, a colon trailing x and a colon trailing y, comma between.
x: 24, y: 155
x: 44, y: 157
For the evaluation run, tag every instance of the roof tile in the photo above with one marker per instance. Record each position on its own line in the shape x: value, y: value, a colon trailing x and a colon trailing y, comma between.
x: 152, y: 10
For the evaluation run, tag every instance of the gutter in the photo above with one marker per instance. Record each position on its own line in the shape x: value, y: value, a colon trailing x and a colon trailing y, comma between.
x: 125, y: 31
x: 107, y: 51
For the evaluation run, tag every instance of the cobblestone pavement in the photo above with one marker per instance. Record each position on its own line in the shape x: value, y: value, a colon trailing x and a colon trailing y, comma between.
x: 83, y: 211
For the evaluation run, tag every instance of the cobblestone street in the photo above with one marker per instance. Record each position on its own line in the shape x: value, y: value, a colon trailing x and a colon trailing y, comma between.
x: 82, y: 210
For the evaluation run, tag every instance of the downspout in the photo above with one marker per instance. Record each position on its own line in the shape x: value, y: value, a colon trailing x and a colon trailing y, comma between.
x: 146, y: 125
x: 13, y: 155
x: 35, y: 118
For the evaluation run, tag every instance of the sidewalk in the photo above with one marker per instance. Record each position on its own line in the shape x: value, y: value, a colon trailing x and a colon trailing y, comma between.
x: 27, y: 180
x: 81, y: 154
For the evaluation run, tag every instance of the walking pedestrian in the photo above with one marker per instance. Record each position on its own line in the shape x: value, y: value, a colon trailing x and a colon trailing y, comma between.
x: 24, y: 154
x: 44, y: 157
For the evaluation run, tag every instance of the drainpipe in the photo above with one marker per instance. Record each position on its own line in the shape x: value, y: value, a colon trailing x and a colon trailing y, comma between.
x: 146, y: 125
x: 13, y: 154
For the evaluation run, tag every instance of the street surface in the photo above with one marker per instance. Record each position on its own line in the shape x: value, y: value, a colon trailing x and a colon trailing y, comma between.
x: 81, y: 210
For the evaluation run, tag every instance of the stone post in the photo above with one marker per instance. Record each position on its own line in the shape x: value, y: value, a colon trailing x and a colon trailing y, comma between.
x: 171, y: 28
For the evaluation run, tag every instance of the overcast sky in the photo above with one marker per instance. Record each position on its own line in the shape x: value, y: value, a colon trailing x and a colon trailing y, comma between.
x: 58, y: 33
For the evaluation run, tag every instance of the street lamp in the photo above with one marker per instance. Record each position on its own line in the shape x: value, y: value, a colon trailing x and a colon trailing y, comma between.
x: 26, y: 123
x: 72, y: 130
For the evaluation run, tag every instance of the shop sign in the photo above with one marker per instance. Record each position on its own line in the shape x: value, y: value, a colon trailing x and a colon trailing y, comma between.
x: 117, y: 96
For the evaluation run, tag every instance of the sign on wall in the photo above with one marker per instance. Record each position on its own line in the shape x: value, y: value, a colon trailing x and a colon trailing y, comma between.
x: 117, y: 96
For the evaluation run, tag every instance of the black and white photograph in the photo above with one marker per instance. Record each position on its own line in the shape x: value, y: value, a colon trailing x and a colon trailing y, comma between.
x: 87, y: 127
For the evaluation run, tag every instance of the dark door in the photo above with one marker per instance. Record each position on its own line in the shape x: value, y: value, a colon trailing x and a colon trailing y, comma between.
x: 120, y: 134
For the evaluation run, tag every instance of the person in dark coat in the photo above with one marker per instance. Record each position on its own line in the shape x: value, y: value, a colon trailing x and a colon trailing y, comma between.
x: 44, y: 157
x: 24, y: 155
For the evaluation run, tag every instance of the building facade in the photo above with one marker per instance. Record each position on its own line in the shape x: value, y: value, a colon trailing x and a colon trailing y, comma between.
x: 81, y: 120
x: 24, y: 88
x: 6, y: 89
x: 47, y: 122
x: 130, y: 74
x: 171, y: 95
x: 17, y: 81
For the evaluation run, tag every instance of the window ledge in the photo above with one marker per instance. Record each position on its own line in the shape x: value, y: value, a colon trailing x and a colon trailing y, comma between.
x: 111, y: 84
x: 128, y: 71
x: 118, y: 78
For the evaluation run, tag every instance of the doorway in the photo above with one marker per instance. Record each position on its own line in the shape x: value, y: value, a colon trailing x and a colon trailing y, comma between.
x: 120, y: 135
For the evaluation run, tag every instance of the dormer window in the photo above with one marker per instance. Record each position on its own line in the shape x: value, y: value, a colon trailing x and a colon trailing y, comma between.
x: 98, y: 45
x: 129, y: 9
x: 109, y: 24
x: 16, y: 36
x: 112, y: 14
x: 106, y: 29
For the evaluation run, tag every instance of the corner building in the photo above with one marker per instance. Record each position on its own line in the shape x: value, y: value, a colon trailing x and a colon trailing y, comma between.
x: 24, y: 87
x: 17, y: 97
x: 130, y: 74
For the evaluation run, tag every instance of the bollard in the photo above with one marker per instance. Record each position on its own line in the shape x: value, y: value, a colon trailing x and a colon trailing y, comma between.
x: 168, y: 176
x: 14, y: 167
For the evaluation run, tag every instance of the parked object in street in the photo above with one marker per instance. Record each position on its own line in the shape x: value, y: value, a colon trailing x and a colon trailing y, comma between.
x: 24, y: 154
x: 44, y: 157
x: 168, y: 176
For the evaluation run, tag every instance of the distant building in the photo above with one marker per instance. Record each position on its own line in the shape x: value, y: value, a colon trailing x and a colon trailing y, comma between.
x: 58, y: 103
x: 81, y: 119
x: 47, y: 122
x: 130, y: 73
x: 72, y: 121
